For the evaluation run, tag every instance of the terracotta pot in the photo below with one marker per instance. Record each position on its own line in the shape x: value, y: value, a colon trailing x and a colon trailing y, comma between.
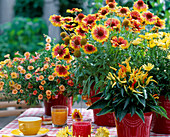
x: 134, y: 126
x: 103, y: 120
x: 160, y: 124
x: 61, y: 100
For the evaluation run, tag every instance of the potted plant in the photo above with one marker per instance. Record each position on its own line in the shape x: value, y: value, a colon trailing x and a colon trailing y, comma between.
x: 159, y: 55
x: 103, y: 39
x: 131, y: 95
x: 34, y: 78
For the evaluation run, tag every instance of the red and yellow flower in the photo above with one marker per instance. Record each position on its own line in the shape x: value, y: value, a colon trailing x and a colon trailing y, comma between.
x: 56, y: 20
x: 14, y: 75
x: 67, y: 19
x: 80, y: 31
x: 100, y: 33
x: 112, y: 23
x: 123, y: 12
x: 28, y: 76
x: 59, y: 51
x: 159, y: 23
x: 69, y: 27
x: 135, y: 15
x: 79, y: 18
x: 112, y: 6
x: 76, y: 115
x: 103, y: 12
x: 140, y: 6
x: 119, y: 42
x: 70, y: 83
x: 68, y: 57
x: 73, y: 10
x: 90, y: 21
x: 149, y: 18
x: 75, y: 42
x: 62, y: 71
x: 108, y: 1
x: 89, y: 49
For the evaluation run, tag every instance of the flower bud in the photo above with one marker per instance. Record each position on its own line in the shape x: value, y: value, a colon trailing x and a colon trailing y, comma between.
x: 83, y: 41
x: 63, y: 34
x: 67, y: 40
x: 77, y: 53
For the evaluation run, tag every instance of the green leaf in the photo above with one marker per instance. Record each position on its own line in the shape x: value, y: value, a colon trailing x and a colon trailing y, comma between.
x: 140, y: 114
x: 108, y: 96
x: 104, y: 111
x: 101, y: 103
x: 126, y: 102
x: 122, y: 92
x: 140, y: 100
x: 132, y: 110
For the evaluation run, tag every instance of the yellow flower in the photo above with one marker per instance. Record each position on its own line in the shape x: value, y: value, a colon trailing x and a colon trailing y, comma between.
x: 137, y: 41
x: 63, y: 132
x: 14, y: 75
x: 148, y: 67
x: 102, y: 132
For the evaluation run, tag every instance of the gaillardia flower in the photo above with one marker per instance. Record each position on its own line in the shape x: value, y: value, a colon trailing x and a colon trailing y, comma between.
x: 108, y: 1
x: 80, y: 31
x: 62, y: 71
x: 100, y: 33
x: 75, y: 42
x: 60, y: 51
x: 79, y: 18
x: 112, y: 23
x: 56, y: 20
x: 77, y: 115
x: 119, y: 42
x: 89, y: 49
x: 69, y: 27
x: 123, y: 12
x: 89, y: 21
x: 140, y: 6
x: 149, y: 17
x: 135, y: 15
x: 103, y: 11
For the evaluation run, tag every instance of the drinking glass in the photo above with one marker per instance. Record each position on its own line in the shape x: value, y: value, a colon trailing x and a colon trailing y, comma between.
x: 82, y: 128
x: 59, y: 115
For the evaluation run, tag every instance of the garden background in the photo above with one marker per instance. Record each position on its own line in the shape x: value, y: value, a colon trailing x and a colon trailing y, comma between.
x: 23, y: 22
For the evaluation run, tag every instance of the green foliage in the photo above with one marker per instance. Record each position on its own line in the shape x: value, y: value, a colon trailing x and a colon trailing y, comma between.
x: 69, y: 4
x: 29, y: 8
x: 122, y: 95
x: 22, y: 34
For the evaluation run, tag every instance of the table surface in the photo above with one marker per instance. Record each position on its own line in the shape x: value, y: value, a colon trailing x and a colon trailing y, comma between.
x: 87, y: 114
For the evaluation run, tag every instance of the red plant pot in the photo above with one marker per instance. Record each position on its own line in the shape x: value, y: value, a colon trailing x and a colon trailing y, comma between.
x: 61, y: 100
x: 103, y: 120
x: 160, y: 124
x: 134, y: 126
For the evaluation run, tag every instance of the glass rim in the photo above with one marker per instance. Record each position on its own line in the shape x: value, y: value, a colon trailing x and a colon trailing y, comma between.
x: 59, y: 107
x: 82, y: 120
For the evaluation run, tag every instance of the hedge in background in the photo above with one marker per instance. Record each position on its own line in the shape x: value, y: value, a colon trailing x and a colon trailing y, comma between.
x: 29, y: 8
x: 22, y: 34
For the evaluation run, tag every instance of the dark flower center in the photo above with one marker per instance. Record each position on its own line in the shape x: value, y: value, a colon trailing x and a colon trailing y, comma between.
x: 100, y: 33
x: 111, y: 5
x: 82, y: 31
x: 125, y: 23
x: 60, y: 51
x: 111, y: 1
x: 90, y: 21
x: 149, y: 15
x: 81, y: 16
x: 103, y: 12
x: 90, y: 48
x: 57, y: 19
x: 140, y: 3
x: 62, y: 69
x: 77, y: 42
x: 67, y: 56
x: 123, y: 10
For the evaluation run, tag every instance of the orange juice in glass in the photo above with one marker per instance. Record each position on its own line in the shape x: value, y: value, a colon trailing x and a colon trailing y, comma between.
x: 59, y: 115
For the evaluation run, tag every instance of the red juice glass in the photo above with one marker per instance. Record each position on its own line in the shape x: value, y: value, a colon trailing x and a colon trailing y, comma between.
x: 82, y: 128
